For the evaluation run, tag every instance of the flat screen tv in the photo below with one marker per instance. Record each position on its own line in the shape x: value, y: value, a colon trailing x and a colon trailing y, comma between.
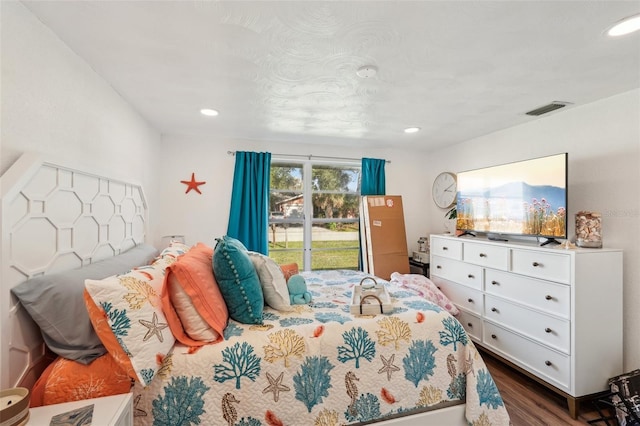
x: 524, y: 198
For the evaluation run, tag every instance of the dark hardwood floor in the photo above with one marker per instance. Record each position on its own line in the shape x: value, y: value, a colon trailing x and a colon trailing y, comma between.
x: 531, y: 404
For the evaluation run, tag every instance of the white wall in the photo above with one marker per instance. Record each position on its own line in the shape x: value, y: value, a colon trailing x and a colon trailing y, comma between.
x: 603, y: 142
x: 205, y: 217
x: 55, y: 104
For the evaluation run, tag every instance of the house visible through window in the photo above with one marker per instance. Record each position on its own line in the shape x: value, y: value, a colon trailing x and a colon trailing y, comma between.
x: 314, y: 214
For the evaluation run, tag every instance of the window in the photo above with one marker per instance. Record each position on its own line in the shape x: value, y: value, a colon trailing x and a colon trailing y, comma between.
x: 314, y: 214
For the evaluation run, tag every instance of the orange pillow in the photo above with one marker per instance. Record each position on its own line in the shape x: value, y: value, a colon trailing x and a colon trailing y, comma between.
x: 127, y: 315
x: 289, y: 270
x: 193, y: 272
x: 65, y: 380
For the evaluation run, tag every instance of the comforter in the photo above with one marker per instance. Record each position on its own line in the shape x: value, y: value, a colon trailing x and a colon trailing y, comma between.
x: 321, y: 365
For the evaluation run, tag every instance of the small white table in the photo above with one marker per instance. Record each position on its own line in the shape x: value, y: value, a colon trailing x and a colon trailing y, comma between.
x: 116, y: 410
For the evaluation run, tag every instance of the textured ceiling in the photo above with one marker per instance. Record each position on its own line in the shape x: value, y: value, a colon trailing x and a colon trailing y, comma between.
x: 286, y: 70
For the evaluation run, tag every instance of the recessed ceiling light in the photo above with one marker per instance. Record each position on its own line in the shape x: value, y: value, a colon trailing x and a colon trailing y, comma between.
x: 625, y: 26
x: 208, y: 112
x: 412, y: 129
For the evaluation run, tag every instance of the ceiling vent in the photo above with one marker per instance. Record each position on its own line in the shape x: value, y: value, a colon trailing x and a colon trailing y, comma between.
x: 547, y: 108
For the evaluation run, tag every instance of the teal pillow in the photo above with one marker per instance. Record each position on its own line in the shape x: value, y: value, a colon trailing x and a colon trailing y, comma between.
x: 238, y: 281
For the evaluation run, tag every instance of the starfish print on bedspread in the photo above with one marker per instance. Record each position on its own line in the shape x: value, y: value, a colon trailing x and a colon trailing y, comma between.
x: 276, y: 386
x: 388, y: 367
x: 154, y: 328
x: 468, y: 366
x: 137, y: 412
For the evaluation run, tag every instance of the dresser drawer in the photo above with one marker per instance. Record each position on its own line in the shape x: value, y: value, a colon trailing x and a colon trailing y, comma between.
x: 463, y: 296
x: 549, y: 266
x: 551, y: 331
x: 446, y: 248
x: 472, y: 324
x: 550, y: 365
x: 546, y: 296
x: 486, y: 255
x: 460, y: 272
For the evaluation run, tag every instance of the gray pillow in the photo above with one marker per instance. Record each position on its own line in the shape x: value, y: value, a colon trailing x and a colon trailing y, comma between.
x: 56, y: 303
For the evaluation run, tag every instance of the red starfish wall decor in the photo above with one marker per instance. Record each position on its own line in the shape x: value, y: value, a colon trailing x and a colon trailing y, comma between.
x: 192, y: 184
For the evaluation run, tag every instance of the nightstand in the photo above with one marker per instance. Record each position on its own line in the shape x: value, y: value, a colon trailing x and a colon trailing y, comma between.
x: 116, y: 410
x: 419, y: 267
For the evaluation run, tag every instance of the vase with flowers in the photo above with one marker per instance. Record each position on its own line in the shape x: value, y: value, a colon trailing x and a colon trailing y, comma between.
x: 451, y: 217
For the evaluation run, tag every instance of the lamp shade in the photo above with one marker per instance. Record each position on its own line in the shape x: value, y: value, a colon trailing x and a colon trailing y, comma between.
x: 168, y: 239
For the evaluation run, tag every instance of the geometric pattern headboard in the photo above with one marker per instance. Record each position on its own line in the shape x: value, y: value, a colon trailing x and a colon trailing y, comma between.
x: 55, y: 219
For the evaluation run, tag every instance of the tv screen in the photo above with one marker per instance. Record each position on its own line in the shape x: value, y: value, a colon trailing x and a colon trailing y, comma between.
x: 523, y: 198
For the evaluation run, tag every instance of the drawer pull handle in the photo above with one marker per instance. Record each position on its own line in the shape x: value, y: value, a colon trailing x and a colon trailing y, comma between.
x: 493, y: 336
x: 548, y: 330
x: 470, y: 300
x: 548, y: 363
x: 548, y: 297
x: 536, y: 264
x: 445, y: 248
x: 495, y: 283
x: 494, y: 310
x: 471, y: 276
x: 438, y: 267
x: 469, y: 325
x: 483, y: 255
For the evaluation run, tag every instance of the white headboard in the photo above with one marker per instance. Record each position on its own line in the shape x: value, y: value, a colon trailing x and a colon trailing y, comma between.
x: 55, y: 219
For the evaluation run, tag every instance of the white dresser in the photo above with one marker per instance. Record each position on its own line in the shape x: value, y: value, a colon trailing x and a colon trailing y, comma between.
x: 555, y: 313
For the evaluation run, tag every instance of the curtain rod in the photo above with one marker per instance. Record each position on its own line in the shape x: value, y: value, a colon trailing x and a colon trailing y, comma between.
x: 309, y: 157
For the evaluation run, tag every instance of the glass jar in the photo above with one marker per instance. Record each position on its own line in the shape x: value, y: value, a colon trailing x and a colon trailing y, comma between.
x: 589, y: 229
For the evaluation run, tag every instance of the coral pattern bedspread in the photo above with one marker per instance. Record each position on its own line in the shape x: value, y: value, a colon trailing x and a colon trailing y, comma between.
x: 321, y: 365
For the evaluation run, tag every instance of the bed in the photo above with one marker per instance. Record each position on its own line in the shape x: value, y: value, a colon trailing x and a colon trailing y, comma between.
x: 313, y: 363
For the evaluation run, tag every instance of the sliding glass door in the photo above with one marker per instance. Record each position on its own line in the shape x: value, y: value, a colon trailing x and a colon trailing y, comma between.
x: 314, y: 214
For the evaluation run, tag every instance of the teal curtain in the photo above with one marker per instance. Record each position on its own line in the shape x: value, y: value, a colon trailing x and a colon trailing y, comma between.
x: 372, y: 183
x: 249, y: 215
x: 373, y: 178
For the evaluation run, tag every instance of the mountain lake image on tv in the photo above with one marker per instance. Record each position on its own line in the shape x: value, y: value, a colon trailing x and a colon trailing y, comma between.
x: 522, y: 198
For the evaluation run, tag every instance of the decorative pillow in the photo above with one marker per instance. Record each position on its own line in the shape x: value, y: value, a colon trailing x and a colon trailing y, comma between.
x: 272, y: 281
x: 289, y: 270
x: 191, y: 299
x: 175, y: 250
x: 185, y: 322
x: 425, y: 288
x: 56, y: 304
x: 66, y: 380
x: 238, y: 281
x: 126, y: 312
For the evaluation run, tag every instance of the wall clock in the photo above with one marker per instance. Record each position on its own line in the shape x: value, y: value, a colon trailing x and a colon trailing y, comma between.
x: 444, y: 190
